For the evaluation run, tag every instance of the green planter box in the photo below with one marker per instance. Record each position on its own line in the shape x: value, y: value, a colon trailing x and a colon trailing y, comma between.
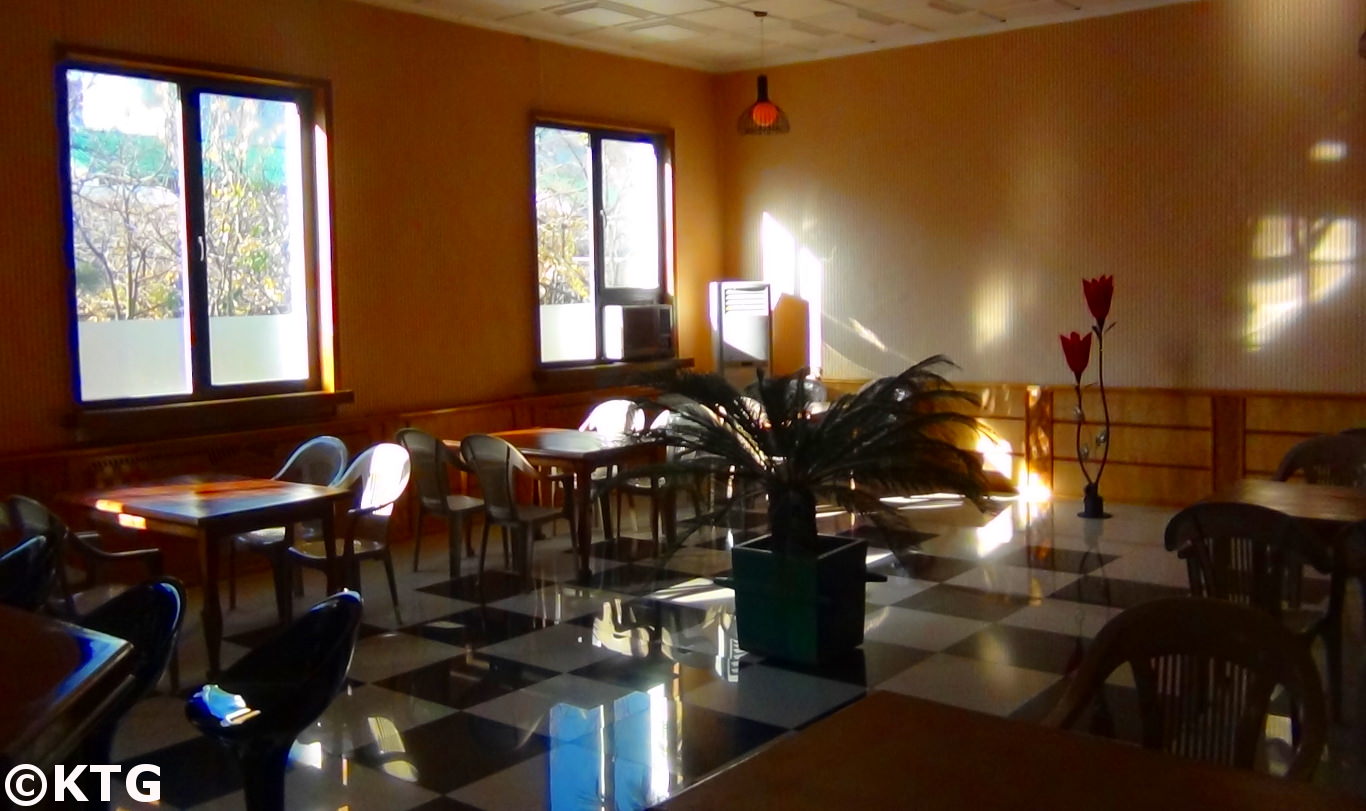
x: 799, y: 609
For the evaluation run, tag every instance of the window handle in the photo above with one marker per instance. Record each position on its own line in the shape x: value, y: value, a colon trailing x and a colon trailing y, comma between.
x: 199, y: 241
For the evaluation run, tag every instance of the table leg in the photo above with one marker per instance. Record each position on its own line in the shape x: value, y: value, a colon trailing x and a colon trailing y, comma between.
x: 583, y: 515
x: 212, y: 613
x: 328, y: 520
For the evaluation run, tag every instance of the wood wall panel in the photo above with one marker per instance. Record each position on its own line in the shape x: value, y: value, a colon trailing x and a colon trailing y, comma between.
x: 1264, y: 452
x: 1305, y: 415
x: 1159, y: 485
x: 1140, y: 445
x: 1137, y: 407
x: 1013, y: 431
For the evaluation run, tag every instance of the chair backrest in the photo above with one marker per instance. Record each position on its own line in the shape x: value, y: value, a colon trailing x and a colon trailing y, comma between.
x: 1205, y: 671
x: 377, y: 478
x: 614, y: 417
x: 1338, y: 459
x: 148, y: 616
x: 429, y: 460
x: 1242, y: 552
x: 319, y: 460
x: 27, y: 572
x: 495, y: 463
x: 292, y: 677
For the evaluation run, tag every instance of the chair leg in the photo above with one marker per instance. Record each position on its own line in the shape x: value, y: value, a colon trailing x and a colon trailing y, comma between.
x: 455, y: 525
x: 417, y: 533
x: 281, y: 569
x: 173, y: 667
x: 605, y: 507
x: 263, y: 776
x: 393, y: 587
x: 232, y: 576
x: 483, y: 554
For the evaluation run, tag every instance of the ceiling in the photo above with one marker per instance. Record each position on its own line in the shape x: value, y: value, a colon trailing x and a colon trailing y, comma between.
x: 723, y: 35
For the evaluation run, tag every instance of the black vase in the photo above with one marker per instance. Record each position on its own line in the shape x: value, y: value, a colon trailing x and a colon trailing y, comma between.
x: 1092, y: 505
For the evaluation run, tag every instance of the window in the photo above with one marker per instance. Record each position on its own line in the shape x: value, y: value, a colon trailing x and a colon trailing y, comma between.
x: 194, y: 233
x: 603, y: 236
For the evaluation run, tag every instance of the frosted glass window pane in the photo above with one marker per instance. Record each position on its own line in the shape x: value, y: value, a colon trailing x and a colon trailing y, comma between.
x: 254, y: 239
x: 127, y: 223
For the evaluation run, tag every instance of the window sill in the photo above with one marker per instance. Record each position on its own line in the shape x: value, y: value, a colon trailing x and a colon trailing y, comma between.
x: 96, y: 425
x: 605, y: 375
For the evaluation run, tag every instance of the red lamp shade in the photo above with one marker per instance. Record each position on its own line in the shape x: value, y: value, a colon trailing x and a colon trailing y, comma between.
x: 763, y: 117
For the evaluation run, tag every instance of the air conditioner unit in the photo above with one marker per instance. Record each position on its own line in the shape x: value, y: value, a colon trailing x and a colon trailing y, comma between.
x: 742, y: 336
x: 638, y: 331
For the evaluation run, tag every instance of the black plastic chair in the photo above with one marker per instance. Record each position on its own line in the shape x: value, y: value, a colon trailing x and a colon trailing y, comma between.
x: 431, y: 482
x: 149, y: 617
x: 27, y: 572
x: 264, y: 701
x: 320, y: 460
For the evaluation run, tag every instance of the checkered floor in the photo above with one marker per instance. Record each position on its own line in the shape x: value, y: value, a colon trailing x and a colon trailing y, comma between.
x: 620, y: 691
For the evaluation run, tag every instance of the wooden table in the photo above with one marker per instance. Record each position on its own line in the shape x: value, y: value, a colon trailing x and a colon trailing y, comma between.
x: 893, y: 752
x: 581, y: 452
x: 210, y: 513
x: 55, y: 681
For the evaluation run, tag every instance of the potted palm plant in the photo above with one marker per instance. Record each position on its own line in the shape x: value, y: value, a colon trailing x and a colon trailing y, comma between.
x: 799, y: 594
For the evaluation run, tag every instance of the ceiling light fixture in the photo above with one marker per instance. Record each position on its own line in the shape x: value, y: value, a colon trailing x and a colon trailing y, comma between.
x: 763, y: 117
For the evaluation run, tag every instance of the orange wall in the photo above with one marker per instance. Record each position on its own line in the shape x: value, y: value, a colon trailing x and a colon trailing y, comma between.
x: 955, y: 194
x: 431, y: 184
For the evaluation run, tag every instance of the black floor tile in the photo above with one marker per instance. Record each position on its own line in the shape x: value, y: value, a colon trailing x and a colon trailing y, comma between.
x: 1056, y: 560
x: 633, y: 578
x: 465, y: 681
x: 1023, y: 647
x: 444, y: 804
x: 477, y: 627
x: 494, y: 585
x: 865, y: 666
x: 1100, y: 590
x: 193, y: 772
x: 958, y: 601
x: 919, y: 566
x: 889, y: 538
x: 256, y: 636
x: 644, y: 674
x: 456, y: 750
x: 625, y: 549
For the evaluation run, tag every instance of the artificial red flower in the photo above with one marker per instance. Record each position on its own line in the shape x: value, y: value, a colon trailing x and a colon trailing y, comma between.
x: 1098, y: 293
x: 1077, y: 349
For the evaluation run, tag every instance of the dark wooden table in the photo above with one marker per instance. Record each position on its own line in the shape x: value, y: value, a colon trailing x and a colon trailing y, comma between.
x: 55, y: 680
x: 581, y: 453
x: 210, y: 512
x: 894, y: 752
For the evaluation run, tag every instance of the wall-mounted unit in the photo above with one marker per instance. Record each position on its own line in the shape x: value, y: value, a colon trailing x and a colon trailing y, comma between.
x: 742, y: 332
x: 638, y: 331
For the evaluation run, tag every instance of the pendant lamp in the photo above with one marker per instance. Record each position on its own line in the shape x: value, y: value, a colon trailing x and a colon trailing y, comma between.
x: 763, y: 117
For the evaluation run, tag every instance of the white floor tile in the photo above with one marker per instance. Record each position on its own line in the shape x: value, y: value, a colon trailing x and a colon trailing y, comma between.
x: 976, y: 685
x: 918, y: 629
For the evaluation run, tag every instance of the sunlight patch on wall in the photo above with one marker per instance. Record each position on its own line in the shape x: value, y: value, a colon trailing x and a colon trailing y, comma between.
x: 1273, y: 305
x: 1327, y: 151
x: 1325, y: 280
x: 1337, y: 242
x: 794, y: 270
x: 992, y: 312
x: 1275, y: 237
x: 866, y: 334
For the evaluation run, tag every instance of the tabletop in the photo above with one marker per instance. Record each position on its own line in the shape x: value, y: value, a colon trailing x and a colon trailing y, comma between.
x: 1320, y: 503
x: 565, y: 443
x: 197, y: 503
x: 890, y: 751
x: 54, y: 677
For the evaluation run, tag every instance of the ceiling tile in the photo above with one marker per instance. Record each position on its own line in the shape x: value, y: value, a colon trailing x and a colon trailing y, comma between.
x: 793, y: 9
x: 672, y: 6
x: 729, y: 18
x: 602, y: 14
x: 723, y: 35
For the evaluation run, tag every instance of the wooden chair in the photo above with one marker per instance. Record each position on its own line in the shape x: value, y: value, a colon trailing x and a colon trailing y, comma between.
x: 1205, y: 672
x: 432, y: 493
x: 1252, y: 555
x: 497, y: 465
x: 378, y: 478
x: 1337, y: 459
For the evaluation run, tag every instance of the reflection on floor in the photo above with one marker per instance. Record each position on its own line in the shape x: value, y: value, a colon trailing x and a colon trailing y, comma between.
x: 619, y: 691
